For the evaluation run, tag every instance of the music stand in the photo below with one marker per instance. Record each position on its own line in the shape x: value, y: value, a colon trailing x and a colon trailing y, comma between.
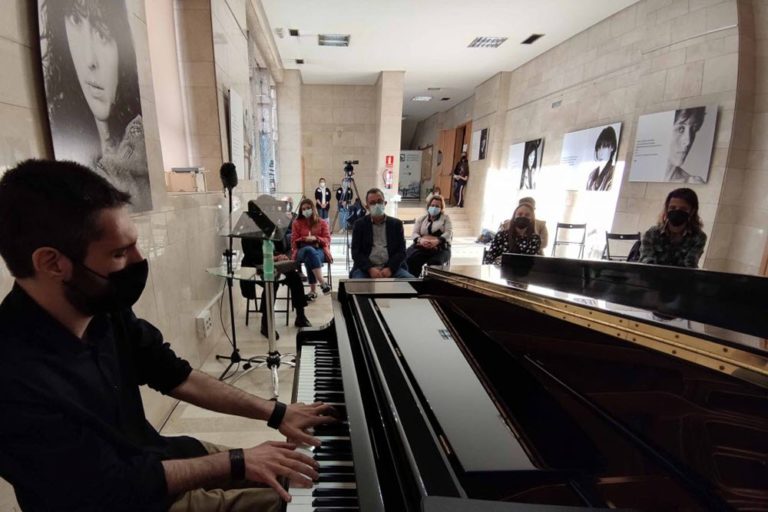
x: 266, y: 220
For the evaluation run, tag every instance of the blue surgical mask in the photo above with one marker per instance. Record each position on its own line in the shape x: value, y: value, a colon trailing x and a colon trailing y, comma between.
x: 377, y: 210
x: 434, y: 211
x: 307, y: 212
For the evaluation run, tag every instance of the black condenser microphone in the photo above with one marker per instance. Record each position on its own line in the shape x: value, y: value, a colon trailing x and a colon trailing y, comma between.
x: 228, y: 174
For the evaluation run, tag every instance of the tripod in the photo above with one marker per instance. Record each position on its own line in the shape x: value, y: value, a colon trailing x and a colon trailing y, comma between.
x: 346, y: 183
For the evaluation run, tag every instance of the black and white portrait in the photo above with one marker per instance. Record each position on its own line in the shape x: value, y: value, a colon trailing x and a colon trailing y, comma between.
x: 674, y: 146
x: 590, y: 157
x: 483, y: 143
x: 92, y: 91
x: 525, y: 159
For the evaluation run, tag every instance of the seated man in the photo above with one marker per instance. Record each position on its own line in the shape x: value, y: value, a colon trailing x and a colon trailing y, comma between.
x: 378, y: 242
x: 74, y: 435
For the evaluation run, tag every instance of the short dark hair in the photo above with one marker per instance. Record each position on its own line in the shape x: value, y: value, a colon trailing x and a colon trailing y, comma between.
x: 694, y: 116
x: 374, y: 190
x: 690, y: 197
x: 44, y: 203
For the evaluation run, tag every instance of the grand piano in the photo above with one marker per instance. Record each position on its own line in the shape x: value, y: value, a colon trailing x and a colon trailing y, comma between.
x: 542, y: 385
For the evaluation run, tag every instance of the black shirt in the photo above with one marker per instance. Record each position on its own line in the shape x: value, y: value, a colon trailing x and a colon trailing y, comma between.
x: 73, y: 434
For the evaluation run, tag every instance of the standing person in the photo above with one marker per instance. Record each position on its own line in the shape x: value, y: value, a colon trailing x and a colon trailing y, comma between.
x: 74, y: 435
x: 378, y: 242
x: 687, y: 123
x: 677, y: 239
x: 460, y: 179
x: 435, y: 192
x: 92, y: 87
x: 322, y: 199
x: 601, y: 178
x: 432, y: 234
x: 311, y: 245
x: 519, y: 238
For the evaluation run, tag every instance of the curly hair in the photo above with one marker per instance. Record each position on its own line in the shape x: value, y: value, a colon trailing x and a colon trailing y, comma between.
x: 690, y: 197
x: 68, y: 109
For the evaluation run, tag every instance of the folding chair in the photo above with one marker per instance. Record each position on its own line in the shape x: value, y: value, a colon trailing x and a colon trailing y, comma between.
x: 566, y: 227
x: 623, y: 239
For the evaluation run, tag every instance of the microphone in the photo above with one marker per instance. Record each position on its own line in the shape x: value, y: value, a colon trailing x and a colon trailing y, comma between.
x: 228, y: 174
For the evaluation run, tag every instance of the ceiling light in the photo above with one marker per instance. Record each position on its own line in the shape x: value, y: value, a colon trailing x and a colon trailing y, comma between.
x: 338, y: 40
x: 433, y: 88
x: 444, y: 99
x: 293, y: 32
x: 487, y: 42
x: 421, y: 98
x: 532, y: 38
x: 299, y: 61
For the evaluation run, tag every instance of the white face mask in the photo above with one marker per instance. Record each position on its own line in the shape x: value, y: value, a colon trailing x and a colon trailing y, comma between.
x: 377, y: 210
x: 434, y: 211
x: 307, y: 212
x: 322, y: 184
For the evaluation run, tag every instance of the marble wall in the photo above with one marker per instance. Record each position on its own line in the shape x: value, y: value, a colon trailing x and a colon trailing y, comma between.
x: 654, y: 56
x: 339, y: 122
x: 389, y: 109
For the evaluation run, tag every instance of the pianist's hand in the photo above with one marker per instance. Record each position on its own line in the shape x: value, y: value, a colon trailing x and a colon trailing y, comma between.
x: 299, y: 417
x: 268, y: 461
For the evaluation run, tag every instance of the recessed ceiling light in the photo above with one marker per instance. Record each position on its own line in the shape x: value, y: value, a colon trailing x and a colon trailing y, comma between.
x: 444, y: 99
x: 433, y: 88
x: 532, y: 38
x: 487, y: 42
x: 299, y: 61
x: 293, y: 32
x: 339, y: 40
x: 421, y: 98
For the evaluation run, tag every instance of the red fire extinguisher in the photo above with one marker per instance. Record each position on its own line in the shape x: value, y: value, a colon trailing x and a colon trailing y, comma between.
x: 388, y: 175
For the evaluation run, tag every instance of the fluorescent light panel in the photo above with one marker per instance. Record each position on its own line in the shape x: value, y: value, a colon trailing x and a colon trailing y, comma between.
x: 421, y: 98
x: 487, y: 42
x: 338, y: 40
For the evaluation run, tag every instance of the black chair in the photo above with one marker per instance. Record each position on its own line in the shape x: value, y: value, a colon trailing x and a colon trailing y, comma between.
x: 618, y: 238
x: 566, y: 227
x: 253, y: 257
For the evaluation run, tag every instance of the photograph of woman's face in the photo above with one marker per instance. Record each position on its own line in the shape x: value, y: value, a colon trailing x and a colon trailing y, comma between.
x: 95, y: 57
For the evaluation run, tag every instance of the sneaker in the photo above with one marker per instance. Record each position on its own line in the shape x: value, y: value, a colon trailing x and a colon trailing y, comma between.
x: 326, y: 288
x: 311, y: 296
x: 302, y: 321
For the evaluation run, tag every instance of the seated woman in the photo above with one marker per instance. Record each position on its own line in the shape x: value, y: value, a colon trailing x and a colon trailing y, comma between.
x: 311, y: 245
x: 519, y: 238
x: 432, y: 234
x: 677, y: 239
x: 539, y: 226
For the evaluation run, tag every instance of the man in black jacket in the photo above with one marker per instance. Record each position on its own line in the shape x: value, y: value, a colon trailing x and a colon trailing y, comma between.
x: 74, y: 436
x: 378, y: 242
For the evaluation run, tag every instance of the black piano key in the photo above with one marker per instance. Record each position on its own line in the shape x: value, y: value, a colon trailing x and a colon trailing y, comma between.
x: 337, y: 509
x: 331, y: 430
x: 328, y: 493
x: 336, y: 477
x: 336, y: 469
x: 336, y: 501
x: 332, y: 456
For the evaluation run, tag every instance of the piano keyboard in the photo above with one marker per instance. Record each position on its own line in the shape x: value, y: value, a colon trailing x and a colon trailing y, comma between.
x: 336, y: 490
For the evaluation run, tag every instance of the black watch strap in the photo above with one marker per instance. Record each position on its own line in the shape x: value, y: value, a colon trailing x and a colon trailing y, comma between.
x: 277, y: 415
x: 237, y: 464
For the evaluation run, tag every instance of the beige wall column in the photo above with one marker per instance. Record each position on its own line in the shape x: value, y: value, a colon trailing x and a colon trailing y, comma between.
x: 389, y: 109
x: 289, y: 130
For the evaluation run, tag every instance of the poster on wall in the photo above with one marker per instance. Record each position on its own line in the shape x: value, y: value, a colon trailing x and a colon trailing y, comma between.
x: 525, y: 162
x: 479, y: 146
x: 674, y: 146
x: 410, y: 174
x: 92, y: 91
x: 589, y: 157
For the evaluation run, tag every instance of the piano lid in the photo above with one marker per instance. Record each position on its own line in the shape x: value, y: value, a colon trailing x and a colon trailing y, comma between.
x: 742, y: 354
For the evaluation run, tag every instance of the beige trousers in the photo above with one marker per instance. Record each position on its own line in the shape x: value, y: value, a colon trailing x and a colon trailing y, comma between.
x: 238, y: 497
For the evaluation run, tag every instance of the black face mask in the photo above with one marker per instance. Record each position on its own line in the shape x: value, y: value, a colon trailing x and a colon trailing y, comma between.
x: 522, y: 222
x: 678, y: 217
x: 92, y: 293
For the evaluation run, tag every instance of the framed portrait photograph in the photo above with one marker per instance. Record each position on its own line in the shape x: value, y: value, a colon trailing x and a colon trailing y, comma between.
x: 91, y: 80
x: 589, y: 157
x: 674, y: 146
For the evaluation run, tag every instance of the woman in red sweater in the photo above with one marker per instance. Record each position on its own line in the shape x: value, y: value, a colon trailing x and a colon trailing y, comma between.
x: 311, y: 245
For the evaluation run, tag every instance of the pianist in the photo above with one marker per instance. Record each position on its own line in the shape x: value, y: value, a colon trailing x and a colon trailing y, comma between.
x: 378, y: 242
x: 73, y: 434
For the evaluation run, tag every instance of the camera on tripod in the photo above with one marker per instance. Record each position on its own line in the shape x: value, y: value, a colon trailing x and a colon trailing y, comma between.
x: 349, y: 171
